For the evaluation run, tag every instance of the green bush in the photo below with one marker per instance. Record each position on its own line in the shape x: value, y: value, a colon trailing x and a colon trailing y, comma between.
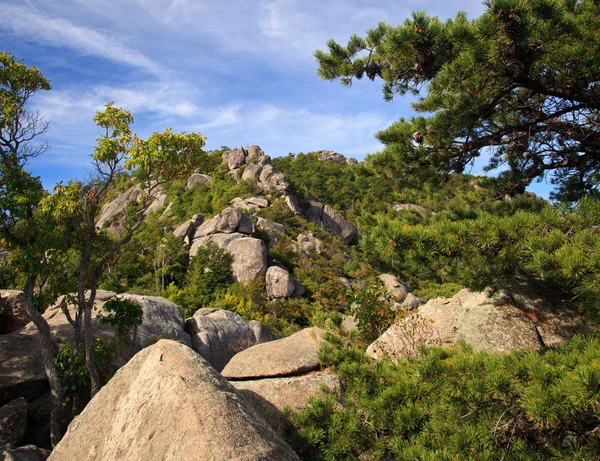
x: 452, y: 404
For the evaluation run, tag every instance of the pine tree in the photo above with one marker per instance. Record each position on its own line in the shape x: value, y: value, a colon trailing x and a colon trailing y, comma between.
x: 520, y: 83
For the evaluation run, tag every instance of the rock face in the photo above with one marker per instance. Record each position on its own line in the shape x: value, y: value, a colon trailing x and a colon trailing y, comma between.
x: 197, y: 178
x: 13, y: 422
x: 21, y: 369
x: 168, y: 403
x: 280, y: 283
x: 261, y: 332
x: 335, y: 222
x: 272, y: 395
x: 217, y: 335
x: 397, y: 289
x: 228, y: 221
x: 249, y: 258
x: 491, y: 324
x: 292, y: 355
x: 13, y: 315
x: 235, y: 158
x: 330, y: 156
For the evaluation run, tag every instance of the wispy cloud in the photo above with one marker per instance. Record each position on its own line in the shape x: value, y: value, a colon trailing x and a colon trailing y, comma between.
x: 40, y: 28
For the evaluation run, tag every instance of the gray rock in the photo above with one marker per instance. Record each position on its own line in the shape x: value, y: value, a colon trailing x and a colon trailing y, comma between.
x: 313, y: 211
x: 330, y: 156
x: 266, y: 173
x: 112, y: 215
x: 258, y: 202
x: 409, y: 206
x: 235, y: 174
x: 335, y: 223
x: 275, y: 182
x: 245, y: 225
x: 21, y: 369
x: 184, y: 230
x: 251, y: 172
x: 217, y: 335
x: 13, y: 422
x: 411, y: 302
x: 261, y: 332
x: 249, y: 258
x: 274, y: 230
x: 197, y: 178
x: 280, y: 283
x: 396, y: 289
x: 271, y: 396
x: 351, y: 161
x: 309, y: 244
x: 158, y: 202
x: 292, y: 355
x: 292, y: 203
x: 254, y: 153
x: 299, y: 289
x: 13, y: 315
x: 262, y: 161
x: 350, y: 323
x: 491, y: 324
x: 221, y: 240
x: 234, y: 158
x: 25, y: 453
x: 168, y: 403
x: 344, y: 281
x: 225, y: 222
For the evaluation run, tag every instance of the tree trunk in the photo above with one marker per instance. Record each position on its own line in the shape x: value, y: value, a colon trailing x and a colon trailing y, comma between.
x: 48, y: 350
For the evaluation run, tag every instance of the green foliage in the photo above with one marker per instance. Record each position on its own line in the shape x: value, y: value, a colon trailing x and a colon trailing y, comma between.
x: 372, y: 312
x: 124, y: 316
x: 72, y: 369
x: 519, y: 83
x: 456, y: 404
x: 559, y: 247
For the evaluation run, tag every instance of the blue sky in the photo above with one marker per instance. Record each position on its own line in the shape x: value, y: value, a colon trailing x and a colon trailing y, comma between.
x: 238, y: 72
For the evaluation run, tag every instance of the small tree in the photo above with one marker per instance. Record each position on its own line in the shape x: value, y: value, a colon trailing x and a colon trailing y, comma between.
x: 520, y: 83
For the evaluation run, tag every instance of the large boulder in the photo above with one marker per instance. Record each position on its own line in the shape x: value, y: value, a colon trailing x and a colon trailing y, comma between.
x: 255, y: 153
x: 494, y: 324
x: 280, y: 283
x: 197, y: 178
x: 335, y: 223
x: 397, y: 289
x: 249, y: 258
x: 13, y: 315
x: 217, y: 335
x: 234, y: 158
x: 261, y: 332
x: 330, y: 156
x: 168, y: 403
x: 288, y: 356
x: 112, y: 215
x: 13, y: 422
x: 251, y: 172
x: 221, y: 240
x: 226, y: 222
x: 271, y: 396
x: 275, y: 182
x: 21, y: 368
x: 249, y: 203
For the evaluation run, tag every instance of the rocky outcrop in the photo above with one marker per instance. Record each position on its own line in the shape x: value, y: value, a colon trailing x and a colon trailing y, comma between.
x: 288, y: 356
x: 21, y: 369
x: 168, y: 403
x: 280, y: 283
x: 397, y: 289
x: 261, y: 332
x: 13, y: 422
x: 331, y: 156
x: 186, y: 230
x: 228, y: 221
x: 197, y: 178
x: 494, y: 324
x: 272, y: 395
x: 217, y: 335
x: 13, y: 315
x: 308, y: 244
x: 274, y: 230
x: 250, y: 203
x: 335, y: 223
x: 249, y: 259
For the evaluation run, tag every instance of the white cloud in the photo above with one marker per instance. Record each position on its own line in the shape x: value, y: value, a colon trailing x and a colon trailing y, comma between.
x: 39, y: 28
